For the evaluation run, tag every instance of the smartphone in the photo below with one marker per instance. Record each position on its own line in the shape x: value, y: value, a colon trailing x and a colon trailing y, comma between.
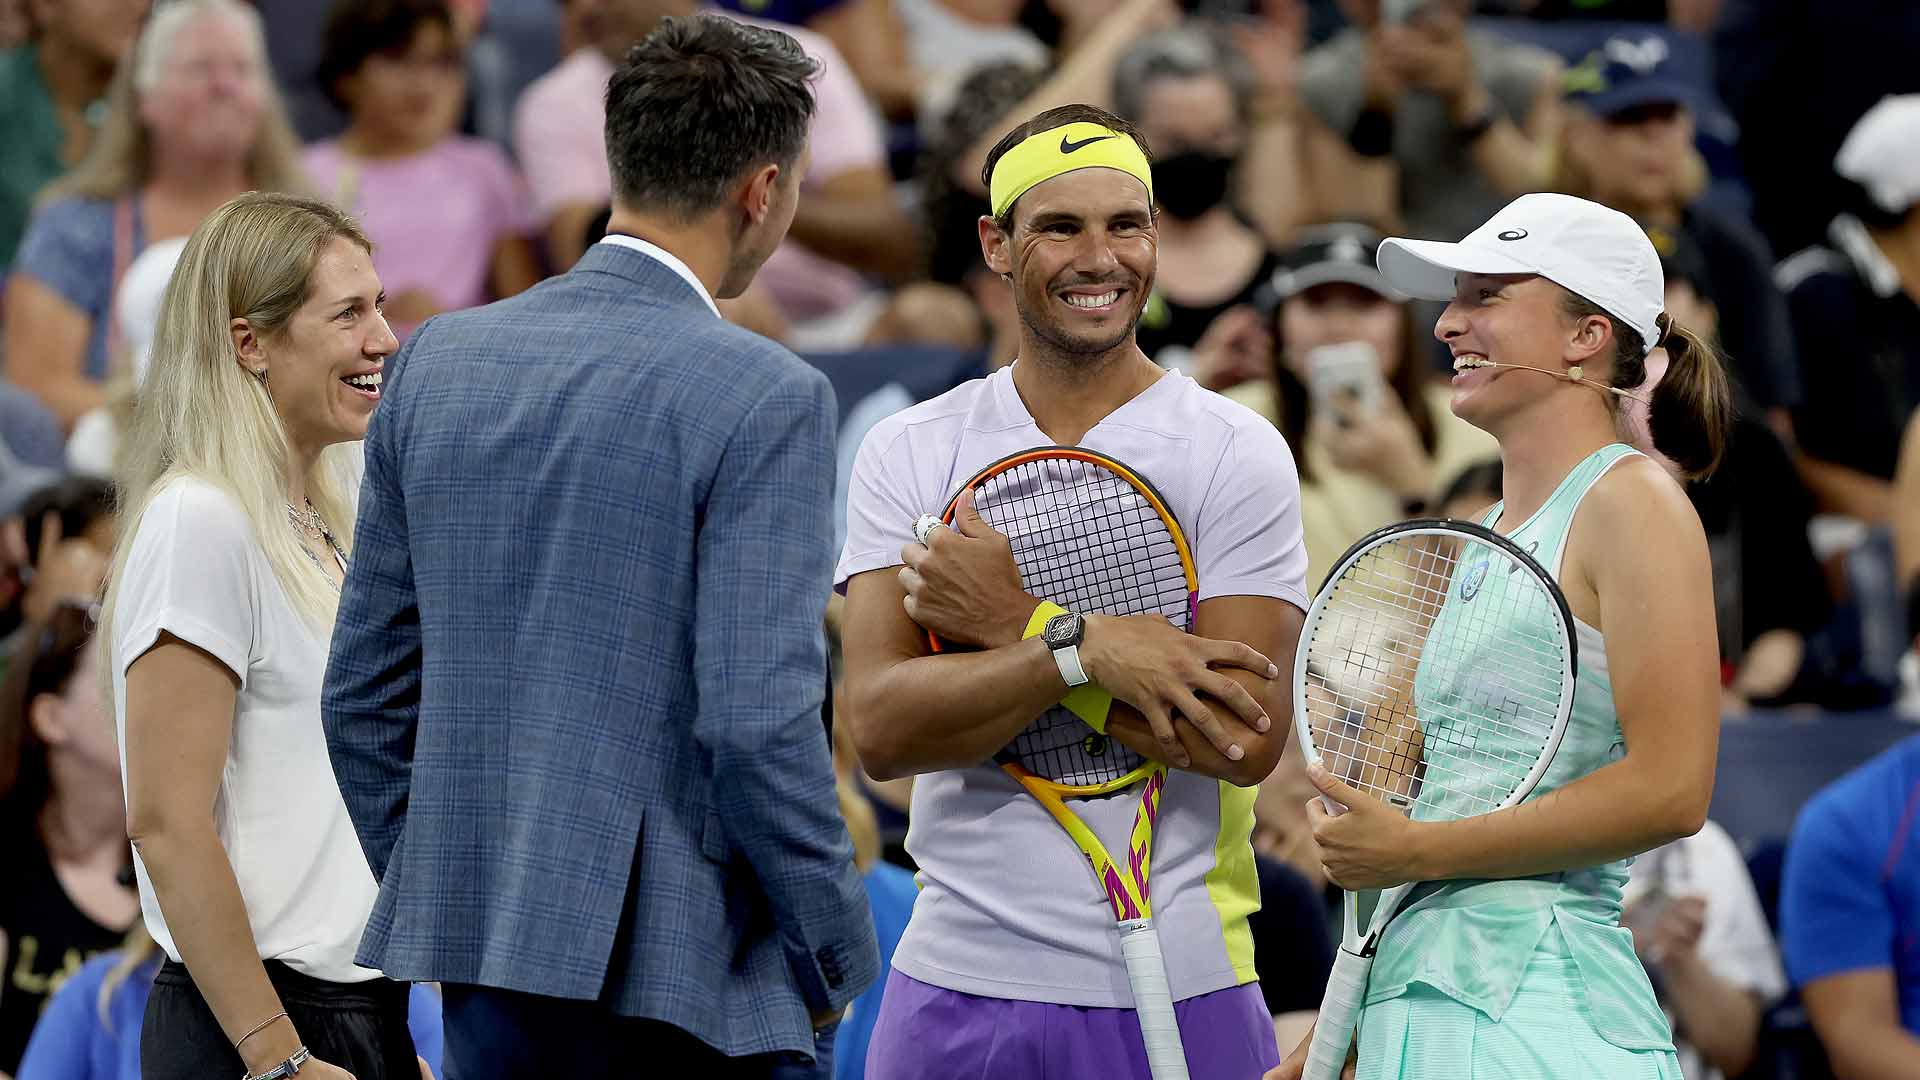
x: 1400, y: 11
x: 1345, y: 378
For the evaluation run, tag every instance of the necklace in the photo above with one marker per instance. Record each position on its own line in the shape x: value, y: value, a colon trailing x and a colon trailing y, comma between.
x: 309, y: 523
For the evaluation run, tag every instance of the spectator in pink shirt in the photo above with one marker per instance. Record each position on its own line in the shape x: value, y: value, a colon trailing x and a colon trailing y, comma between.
x: 847, y: 228
x: 448, y: 215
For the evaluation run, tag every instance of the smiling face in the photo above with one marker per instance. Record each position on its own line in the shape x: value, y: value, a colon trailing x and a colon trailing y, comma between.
x: 1080, y: 255
x: 324, y: 369
x: 1520, y: 320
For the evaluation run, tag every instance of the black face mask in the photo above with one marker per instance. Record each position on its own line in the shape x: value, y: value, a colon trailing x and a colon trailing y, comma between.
x: 1190, y: 183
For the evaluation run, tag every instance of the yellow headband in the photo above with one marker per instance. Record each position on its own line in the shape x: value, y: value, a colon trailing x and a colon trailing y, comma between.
x: 1083, y: 145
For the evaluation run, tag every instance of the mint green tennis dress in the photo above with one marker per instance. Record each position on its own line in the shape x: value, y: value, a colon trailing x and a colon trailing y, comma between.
x: 1533, y: 977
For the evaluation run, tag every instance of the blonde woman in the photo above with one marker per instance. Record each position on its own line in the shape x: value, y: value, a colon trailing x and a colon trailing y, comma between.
x: 192, y: 120
x: 220, y: 603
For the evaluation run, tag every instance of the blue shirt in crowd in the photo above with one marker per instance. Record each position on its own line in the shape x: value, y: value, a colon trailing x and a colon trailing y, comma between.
x: 890, y: 890
x: 69, y: 248
x: 71, y: 1042
x: 1850, y: 891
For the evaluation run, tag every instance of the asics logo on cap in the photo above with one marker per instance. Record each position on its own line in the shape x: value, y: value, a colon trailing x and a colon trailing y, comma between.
x: 1513, y: 234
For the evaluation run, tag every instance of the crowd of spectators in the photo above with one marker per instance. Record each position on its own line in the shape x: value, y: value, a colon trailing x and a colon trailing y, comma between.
x: 1288, y: 136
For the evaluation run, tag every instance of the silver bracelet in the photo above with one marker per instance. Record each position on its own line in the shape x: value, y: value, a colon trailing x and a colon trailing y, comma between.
x: 287, y: 1068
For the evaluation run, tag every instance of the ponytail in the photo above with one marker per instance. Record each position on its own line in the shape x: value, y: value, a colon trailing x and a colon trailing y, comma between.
x: 1690, y: 411
x: 1692, y: 407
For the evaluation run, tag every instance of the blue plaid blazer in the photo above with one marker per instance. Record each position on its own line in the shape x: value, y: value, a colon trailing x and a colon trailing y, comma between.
x: 573, y: 700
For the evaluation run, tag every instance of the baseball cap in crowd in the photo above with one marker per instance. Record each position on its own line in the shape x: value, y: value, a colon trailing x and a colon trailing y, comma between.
x: 1344, y: 252
x: 1588, y: 249
x: 1629, y: 71
x: 1882, y: 153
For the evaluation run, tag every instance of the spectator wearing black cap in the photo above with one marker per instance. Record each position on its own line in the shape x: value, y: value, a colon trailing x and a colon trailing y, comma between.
x: 1372, y: 435
x: 1855, y: 304
x: 1769, y: 592
x: 1628, y: 143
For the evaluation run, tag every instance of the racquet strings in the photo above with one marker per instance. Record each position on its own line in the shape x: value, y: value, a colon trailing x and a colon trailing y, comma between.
x: 1087, y: 539
x: 1435, y: 675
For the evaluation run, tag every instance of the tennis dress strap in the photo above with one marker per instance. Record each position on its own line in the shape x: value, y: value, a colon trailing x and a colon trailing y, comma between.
x: 1544, y: 535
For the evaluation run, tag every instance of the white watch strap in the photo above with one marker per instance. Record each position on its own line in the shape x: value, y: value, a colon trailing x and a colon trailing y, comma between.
x: 1068, y: 660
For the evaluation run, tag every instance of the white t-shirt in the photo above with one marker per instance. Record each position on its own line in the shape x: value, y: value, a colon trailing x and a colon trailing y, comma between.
x: 1007, y: 907
x: 1735, y: 943
x: 195, y: 571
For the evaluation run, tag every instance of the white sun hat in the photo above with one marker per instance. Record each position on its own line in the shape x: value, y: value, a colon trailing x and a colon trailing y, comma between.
x: 1591, y: 251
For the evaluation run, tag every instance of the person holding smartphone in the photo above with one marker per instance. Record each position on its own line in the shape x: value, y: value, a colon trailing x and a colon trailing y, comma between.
x: 1371, y: 433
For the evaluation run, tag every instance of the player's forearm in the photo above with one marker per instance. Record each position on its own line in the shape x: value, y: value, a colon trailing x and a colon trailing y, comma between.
x: 949, y: 710
x: 1620, y: 810
x: 1719, y: 1018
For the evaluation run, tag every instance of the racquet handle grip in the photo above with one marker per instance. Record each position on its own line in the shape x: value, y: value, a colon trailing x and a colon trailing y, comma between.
x: 924, y: 526
x: 1153, y: 1000
x: 1339, y: 1013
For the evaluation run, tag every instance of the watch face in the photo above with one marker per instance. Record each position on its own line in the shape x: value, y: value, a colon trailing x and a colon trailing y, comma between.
x: 1062, y: 631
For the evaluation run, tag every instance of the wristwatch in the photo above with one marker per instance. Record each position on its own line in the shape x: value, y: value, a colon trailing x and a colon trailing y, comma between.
x: 289, y: 1067
x: 1063, y: 635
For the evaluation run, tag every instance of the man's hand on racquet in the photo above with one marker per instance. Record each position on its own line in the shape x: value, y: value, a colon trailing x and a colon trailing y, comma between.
x: 1160, y: 670
x: 1369, y: 846
x: 962, y: 585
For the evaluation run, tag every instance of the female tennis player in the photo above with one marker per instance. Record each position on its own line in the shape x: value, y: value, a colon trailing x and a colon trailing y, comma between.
x: 1514, y: 963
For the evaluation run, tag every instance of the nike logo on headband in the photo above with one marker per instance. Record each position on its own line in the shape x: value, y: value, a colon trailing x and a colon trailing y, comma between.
x: 1067, y: 146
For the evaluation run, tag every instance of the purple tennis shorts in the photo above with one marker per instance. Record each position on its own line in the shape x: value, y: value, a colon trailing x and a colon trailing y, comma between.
x: 926, y: 1033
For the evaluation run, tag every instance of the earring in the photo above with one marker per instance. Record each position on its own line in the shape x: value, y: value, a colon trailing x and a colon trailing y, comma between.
x: 1575, y: 373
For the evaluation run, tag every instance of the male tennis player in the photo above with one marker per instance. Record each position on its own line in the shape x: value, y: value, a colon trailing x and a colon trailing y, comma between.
x: 1011, y: 966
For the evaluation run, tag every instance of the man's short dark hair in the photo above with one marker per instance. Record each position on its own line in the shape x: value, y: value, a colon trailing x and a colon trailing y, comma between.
x: 359, y: 29
x: 1053, y: 118
x: 697, y: 104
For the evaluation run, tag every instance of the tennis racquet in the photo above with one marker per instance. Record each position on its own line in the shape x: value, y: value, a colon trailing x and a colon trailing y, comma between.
x: 1436, y: 673
x: 1093, y: 536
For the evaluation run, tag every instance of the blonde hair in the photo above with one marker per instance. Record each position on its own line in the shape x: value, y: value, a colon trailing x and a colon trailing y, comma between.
x: 120, y: 160
x: 200, y: 414
x: 137, y: 949
x: 862, y: 825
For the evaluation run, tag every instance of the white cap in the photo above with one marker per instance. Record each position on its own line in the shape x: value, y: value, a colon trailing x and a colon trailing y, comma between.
x: 1882, y: 153
x: 1591, y: 251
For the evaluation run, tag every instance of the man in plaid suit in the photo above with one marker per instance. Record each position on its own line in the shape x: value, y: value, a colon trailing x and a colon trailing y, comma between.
x: 573, y: 701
